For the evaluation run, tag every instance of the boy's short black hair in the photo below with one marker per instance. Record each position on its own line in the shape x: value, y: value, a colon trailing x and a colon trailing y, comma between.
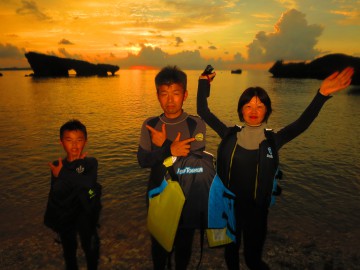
x: 170, y: 75
x: 73, y: 124
x: 248, y: 94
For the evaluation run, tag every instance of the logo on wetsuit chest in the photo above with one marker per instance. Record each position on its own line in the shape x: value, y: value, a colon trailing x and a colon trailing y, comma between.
x: 189, y: 170
x: 199, y: 137
x: 80, y: 169
x: 269, y: 154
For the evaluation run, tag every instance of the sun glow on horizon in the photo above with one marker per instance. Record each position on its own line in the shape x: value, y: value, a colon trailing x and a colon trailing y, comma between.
x: 156, y: 32
x: 142, y: 67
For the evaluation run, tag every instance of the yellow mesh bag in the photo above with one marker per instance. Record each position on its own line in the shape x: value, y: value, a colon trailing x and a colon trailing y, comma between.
x: 165, y: 207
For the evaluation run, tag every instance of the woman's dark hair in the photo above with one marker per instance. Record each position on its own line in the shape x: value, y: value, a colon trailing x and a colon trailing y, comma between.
x: 248, y: 94
x: 72, y: 125
x: 170, y: 75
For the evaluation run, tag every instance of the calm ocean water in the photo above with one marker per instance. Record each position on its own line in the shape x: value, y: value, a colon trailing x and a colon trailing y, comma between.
x: 321, y: 186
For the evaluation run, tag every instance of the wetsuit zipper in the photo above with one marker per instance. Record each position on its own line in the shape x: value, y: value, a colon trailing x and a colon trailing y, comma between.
x: 231, y: 161
x: 256, y: 180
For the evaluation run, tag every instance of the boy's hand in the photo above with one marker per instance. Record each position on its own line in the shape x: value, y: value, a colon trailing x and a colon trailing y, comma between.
x: 157, y: 137
x: 181, y: 148
x: 83, y: 155
x: 56, y: 169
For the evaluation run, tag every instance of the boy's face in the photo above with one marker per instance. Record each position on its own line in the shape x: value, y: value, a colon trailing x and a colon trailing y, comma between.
x: 73, y: 142
x: 171, y: 98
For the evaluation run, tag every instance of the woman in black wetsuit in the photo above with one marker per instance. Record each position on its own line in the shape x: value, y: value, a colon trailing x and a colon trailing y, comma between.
x: 246, y: 160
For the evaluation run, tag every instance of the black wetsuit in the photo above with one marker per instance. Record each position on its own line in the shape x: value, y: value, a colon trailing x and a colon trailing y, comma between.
x: 151, y: 156
x: 241, y: 167
x: 71, y: 188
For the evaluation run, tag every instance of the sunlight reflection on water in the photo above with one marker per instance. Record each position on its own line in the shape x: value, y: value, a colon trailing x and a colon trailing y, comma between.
x: 321, y: 167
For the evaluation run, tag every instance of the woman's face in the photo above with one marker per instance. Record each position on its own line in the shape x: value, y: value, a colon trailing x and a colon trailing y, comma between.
x: 254, y: 112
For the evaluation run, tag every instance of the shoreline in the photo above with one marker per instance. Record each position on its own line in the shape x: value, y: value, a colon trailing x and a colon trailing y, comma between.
x: 127, y: 246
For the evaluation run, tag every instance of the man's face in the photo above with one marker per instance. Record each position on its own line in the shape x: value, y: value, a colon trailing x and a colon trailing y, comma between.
x: 171, y: 98
x: 73, y: 142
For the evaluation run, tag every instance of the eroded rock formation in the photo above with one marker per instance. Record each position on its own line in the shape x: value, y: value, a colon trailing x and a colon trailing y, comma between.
x: 319, y: 68
x: 52, y: 66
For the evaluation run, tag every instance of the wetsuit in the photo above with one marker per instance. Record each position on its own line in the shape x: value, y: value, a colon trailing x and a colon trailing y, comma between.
x: 71, y: 189
x: 245, y: 167
x: 151, y: 156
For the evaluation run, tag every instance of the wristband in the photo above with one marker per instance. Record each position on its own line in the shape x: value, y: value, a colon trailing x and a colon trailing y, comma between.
x: 169, y: 161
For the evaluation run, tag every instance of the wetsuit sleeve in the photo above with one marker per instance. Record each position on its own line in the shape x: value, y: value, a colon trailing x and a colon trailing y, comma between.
x: 204, y: 111
x: 200, y: 127
x: 57, y: 185
x: 149, y: 155
x: 293, y: 130
x: 199, y: 134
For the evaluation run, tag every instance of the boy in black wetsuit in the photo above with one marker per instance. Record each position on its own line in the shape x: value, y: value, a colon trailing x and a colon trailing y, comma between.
x: 167, y: 136
x: 74, y: 199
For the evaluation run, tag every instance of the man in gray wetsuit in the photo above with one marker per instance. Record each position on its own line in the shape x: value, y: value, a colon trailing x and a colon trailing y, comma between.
x: 169, y: 135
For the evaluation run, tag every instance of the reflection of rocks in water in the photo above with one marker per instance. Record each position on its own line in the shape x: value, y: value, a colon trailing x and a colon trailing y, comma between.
x: 51, y: 66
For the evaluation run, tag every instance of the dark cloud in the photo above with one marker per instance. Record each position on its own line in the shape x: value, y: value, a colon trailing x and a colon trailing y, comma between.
x: 65, y: 42
x: 199, y: 13
x: 238, y: 58
x: 10, y: 51
x: 150, y: 56
x: 293, y: 39
x: 178, y: 41
x: 64, y: 53
x: 155, y: 57
x: 30, y: 8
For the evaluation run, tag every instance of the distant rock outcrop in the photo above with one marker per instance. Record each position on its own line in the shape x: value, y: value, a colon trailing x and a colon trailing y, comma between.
x: 236, y: 71
x: 51, y: 66
x: 319, y: 68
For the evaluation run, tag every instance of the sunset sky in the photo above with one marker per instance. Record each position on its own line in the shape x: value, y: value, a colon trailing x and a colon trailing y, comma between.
x: 188, y: 33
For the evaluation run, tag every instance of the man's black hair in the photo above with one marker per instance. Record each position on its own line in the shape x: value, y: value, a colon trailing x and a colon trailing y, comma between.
x: 71, y: 125
x: 248, y: 94
x: 170, y: 75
